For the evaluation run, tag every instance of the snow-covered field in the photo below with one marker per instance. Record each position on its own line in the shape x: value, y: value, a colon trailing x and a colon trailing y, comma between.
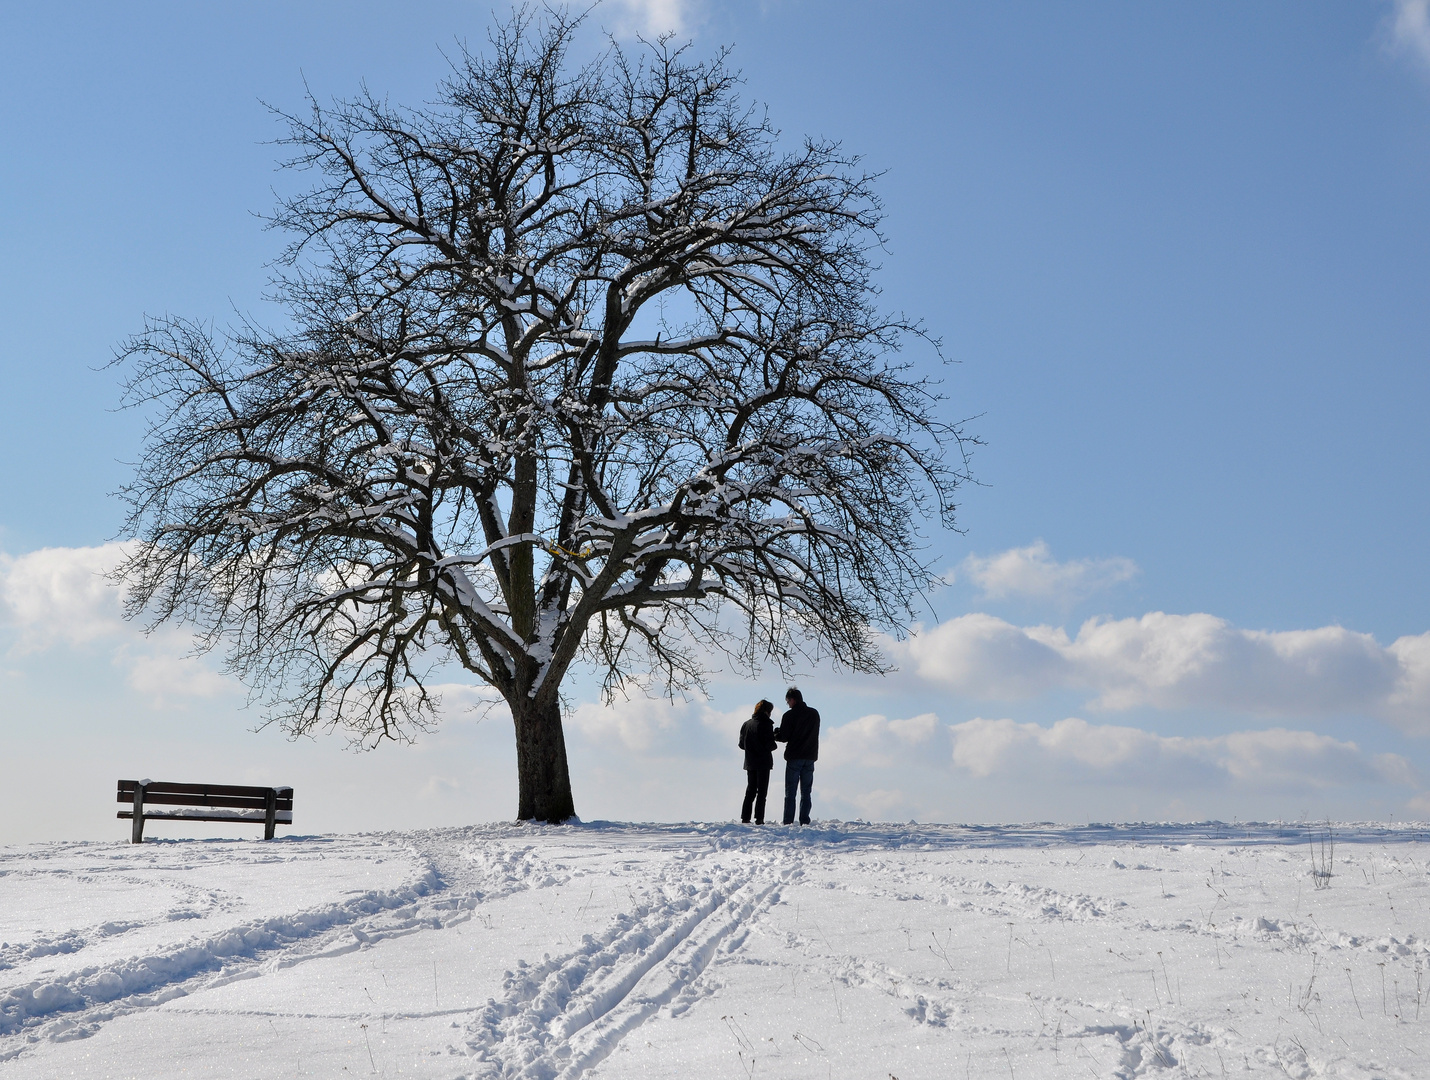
x: 840, y: 950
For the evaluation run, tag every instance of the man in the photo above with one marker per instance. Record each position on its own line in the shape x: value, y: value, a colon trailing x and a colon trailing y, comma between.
x: 799, y: 731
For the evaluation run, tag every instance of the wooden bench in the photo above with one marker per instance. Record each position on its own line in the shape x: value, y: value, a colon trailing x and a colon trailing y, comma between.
x: 204, y: 802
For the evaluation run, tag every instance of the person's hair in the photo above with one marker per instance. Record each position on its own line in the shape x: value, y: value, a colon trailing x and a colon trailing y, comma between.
x: 793, y: 692
x: 763, y: 706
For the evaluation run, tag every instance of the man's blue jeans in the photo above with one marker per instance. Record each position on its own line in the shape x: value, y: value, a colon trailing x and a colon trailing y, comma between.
x: 799, y: 772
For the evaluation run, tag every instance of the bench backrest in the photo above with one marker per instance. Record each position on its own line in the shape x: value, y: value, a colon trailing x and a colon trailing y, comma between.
x: 231, y: 796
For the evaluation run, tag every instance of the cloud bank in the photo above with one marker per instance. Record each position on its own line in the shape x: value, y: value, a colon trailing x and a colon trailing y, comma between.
x: 1182, y: 661
x: 1292, y: 760
x: 58, y: 599
x: 1078, y: 751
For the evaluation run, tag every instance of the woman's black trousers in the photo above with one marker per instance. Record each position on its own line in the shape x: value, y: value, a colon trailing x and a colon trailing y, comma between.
x: 756, y: 788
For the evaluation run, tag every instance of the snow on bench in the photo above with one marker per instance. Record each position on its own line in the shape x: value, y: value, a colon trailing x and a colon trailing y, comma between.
x: 205, y: 802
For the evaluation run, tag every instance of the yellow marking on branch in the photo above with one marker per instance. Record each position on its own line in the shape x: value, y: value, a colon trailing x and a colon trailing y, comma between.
x: 553, y: 548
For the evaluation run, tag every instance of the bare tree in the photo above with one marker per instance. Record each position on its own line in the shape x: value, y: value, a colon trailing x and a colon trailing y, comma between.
x: 585, y: 368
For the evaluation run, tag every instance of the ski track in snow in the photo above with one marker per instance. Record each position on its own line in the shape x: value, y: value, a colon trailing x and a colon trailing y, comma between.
x: 567, y: 1014
x: 1038, y: 945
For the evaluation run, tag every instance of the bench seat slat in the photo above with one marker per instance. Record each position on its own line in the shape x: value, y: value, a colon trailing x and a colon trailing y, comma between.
x: 237, y: 801
x: 283, y: 817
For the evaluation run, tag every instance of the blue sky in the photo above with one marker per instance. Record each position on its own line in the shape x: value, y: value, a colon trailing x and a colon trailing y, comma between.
x: 1179, y: 253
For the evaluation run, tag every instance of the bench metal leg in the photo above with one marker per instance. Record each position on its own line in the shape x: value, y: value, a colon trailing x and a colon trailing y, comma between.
x: 271, y: 817
x: 137, y: 835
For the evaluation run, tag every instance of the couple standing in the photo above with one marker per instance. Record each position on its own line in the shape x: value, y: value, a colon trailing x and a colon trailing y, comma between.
x: 799, y: 731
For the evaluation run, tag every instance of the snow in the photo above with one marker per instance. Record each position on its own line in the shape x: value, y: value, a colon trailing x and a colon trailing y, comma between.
x: 839, y: 950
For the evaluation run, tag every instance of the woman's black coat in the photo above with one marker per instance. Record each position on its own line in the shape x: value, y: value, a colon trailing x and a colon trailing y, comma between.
x: 757, y: 739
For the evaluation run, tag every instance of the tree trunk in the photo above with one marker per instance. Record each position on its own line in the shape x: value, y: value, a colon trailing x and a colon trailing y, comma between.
x: 543, y: 779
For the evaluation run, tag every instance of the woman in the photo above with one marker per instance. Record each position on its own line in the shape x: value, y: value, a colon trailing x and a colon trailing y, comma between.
x: 757, y: 739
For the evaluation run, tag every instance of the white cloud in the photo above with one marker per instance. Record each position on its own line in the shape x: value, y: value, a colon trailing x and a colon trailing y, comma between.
x: 878, y: 742
x: 169, y: 672
x: 636, y: 721
x: 870, y: 765
x: 1251, y: 760
x: 641, y: 722
x: 881, y: 804
x: 60, y: 595
x: 438, y: 787
x: 1410, y: 28
x: 1409, y: 703
x: 1183, y: 661
x: 985, y: 657
x: 651, y: 18
x: 468, y: 702
x: 728, y: 722
x: 1175, y: 661
x: 1031, y: 573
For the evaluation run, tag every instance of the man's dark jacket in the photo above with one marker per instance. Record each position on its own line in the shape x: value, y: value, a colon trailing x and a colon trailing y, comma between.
x: 757, y: 739
x: 799, y: 731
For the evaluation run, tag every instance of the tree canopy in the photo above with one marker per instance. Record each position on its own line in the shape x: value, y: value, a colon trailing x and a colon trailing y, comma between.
x: 584, y: 367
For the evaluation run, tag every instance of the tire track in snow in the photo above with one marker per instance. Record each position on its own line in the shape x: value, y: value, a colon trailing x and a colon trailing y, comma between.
x: 566, y: 1015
